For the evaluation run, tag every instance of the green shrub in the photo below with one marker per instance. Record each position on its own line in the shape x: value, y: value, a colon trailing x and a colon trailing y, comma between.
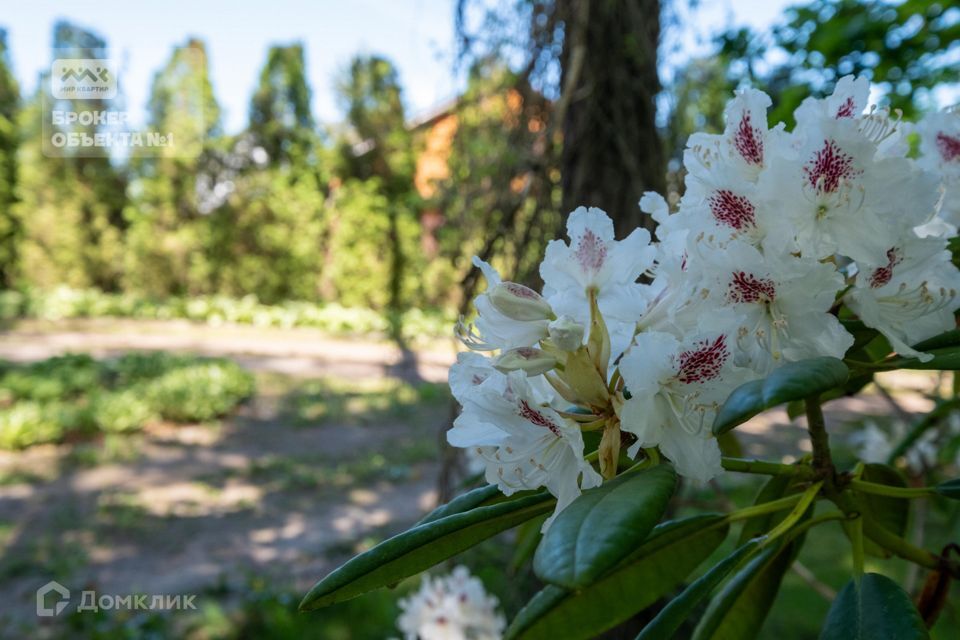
x: 121, y: 411
x: 45, y: 401
x: 200, y: 392
x: 136, y: 367
x: 64, y: 302
x: 27, y: 423
x: 53, y: 379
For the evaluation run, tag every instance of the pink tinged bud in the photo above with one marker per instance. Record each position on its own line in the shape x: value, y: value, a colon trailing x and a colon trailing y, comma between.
x: 518, y: 302
x: 566, y: 333
x: 531, y: 361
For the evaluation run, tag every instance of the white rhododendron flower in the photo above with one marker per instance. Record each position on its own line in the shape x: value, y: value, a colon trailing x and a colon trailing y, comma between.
x: 940, y: 153
x: 911, y: 295
x: 781, y: 306
x: 452, y: 607
x: 780, y: 240
x: 675, y: 389
x: 594, y: 260
x: 525, y: 443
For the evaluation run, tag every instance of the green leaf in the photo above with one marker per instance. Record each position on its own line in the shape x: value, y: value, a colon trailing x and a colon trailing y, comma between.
x: 602, y: 526
x: 947, y: 339
x: 745, y: 402
x: 680, y: 608
x: 738, y: 611
x: 774, y: 488
x: 792, y: 381
x: 949, y: 489
x: 876, y: 610
x: 892, y: 513
x: 461, y: 503
x: 946, y: 359
x: 802, y: 379
x: 671, y: 552
x: 422, y: 547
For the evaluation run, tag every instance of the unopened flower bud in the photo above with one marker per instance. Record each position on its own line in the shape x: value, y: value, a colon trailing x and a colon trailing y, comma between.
x: 531, y: 361
x: 566, y: 333
x: 518, y: 302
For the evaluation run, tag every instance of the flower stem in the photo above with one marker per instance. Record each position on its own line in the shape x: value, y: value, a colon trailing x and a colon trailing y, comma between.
x: 894, y: 492
x: 817, y: 428
x: 806, y: 499
x: 765, y: 508
x: 765, y: 467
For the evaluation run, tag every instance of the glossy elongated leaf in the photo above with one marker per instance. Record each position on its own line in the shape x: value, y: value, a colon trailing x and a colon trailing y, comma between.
x: 944, y: 359
x: 461, y: 503
x: 738, y: 611
x: 947, y: 339
x: 877, y: 609
x: 854, y: 385
x: 949, y: 489
x: 670, y: 553
x: 679, y: 609
x: 422, y: 547
x: 792, y: 381
x: 603, y: 526
x: 745, y: 402
x: 801, y: 379
x: 892, y: 513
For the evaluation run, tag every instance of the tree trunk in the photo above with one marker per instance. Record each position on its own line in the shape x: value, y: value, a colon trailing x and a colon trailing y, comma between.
x: 611, y: 149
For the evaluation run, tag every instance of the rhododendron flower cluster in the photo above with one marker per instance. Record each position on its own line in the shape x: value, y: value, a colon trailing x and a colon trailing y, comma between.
x: 780, y: 237
x: 451, y: 607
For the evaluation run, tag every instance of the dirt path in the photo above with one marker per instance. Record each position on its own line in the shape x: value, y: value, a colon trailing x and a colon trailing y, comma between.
x: 297, y: 352
x: 184, y: 509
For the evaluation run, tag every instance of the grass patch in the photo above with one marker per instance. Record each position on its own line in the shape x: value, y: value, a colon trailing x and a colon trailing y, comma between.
x: 76, y: 395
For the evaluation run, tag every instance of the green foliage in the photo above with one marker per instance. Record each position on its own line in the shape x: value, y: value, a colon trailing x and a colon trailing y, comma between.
x: 680, y: 608
x: 594, y: 532
x: 76, y: 395
x: 10, y: 227
x: 280, y: 118
x: 669, y: 554
x: 904, y: 47
x: 422, y: 547
x: 738, y: 611
x: 949, y: 489
x: 873, y: 608
x: 63, y: 302
x: 199, y: 392
x: 891, y: 513
x: 122, y: 411
x: 792, y: 381
x: 28, y: 423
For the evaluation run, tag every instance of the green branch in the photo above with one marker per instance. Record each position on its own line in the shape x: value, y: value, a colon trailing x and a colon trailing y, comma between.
x: 894, y: 492
x: 765, y: 508
x: 764, y: 467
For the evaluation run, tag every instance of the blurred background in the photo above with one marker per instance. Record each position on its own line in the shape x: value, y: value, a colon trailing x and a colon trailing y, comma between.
x: 224, y: 371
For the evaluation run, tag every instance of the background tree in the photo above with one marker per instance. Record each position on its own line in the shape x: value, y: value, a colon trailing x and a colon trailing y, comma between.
x: 379, y: 147
x: 9, y: 143
x: 903, y: 47
x: 612, y: 151
x: 71, y: 207
x: 280, y: 118
x: 165, y: 242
